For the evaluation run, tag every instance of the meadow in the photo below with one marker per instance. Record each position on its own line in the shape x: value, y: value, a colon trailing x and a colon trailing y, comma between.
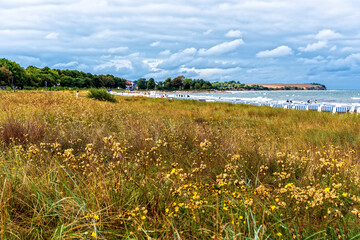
x: 140, y: 168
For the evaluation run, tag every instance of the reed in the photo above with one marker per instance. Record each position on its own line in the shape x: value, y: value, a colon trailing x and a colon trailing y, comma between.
x: 174, y: 169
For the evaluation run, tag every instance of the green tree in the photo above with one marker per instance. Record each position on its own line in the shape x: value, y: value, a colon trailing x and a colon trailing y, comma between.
x: 206, y: 86
x: 159, y: 86
x: 178, y: 82
x: 33, y: 74
x: 141, y: 83
x: 187, y: 83
x: 66, y: 81
x: 167, y: 84
x: 151, y: 84
x: 12, y: 73
x: 197, y: 86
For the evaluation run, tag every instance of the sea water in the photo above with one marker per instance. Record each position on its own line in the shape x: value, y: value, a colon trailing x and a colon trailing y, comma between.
x: 342, y: 97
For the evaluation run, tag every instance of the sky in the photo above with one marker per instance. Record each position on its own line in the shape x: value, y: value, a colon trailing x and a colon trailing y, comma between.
x: 251, y: 41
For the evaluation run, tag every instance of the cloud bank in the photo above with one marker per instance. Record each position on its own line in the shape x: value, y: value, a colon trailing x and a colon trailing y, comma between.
x: 248, y: 41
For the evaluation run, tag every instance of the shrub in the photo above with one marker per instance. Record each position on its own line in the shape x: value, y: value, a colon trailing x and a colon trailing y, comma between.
x: 101, y: 94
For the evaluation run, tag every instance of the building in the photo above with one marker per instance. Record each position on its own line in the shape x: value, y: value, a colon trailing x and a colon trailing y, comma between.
x: 129, y: 85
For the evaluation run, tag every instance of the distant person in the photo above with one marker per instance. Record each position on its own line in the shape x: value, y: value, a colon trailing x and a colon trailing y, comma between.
x: 315, y: 101
x: 77, y: 93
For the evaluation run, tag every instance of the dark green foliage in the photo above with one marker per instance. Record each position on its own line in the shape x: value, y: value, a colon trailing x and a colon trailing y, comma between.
x: 12, y: 74
x: 167, y: 84
x: 177, y: 82
x: 101, y: 94
x: 141, y: 83
x: 151, y: 84
x: 187, y: 83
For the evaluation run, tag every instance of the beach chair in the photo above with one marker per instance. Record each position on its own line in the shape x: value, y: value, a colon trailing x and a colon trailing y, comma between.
x: 341, y: 109
x: 300, y: 107
x: 278, y: 105
x: 267, y: 104
x: 326, y: 108
x: 313, y: 107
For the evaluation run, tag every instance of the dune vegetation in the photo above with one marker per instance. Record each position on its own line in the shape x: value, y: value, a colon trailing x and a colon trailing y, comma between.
x: 139, y: 168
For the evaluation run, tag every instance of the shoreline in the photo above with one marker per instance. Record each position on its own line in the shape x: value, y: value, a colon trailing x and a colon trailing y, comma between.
x: 321, y: 106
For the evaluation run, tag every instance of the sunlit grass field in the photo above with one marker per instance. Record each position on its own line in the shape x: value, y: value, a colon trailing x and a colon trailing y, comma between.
x: 78, y: 168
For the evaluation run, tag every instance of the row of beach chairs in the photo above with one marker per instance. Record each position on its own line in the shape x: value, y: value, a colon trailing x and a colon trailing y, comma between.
x: 314, y: 107
x: 301, y: 107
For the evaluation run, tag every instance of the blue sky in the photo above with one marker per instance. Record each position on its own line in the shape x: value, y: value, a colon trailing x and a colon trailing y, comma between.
x: 272, y: 41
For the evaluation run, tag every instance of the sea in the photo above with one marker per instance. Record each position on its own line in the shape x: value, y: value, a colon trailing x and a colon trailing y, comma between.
x: 330, y: 97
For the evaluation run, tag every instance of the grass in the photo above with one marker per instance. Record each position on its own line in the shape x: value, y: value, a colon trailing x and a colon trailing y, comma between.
x: 101, y: 94
x: 75, y: 168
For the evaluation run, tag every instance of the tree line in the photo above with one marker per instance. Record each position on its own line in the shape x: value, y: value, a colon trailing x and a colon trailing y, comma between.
x: 177, y: 83
x: 12, y: 74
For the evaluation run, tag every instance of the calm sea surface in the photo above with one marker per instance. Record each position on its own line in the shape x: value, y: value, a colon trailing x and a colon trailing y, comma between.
x: 350, y: 97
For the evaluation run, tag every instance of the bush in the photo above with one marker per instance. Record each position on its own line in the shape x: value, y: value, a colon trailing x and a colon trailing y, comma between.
x: 101, y: 94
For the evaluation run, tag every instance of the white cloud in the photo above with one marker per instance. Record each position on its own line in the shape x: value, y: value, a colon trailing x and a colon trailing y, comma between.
x: 165, y: 52
x: 155, y: 44
x: 344, y: 64
x: 314, y: 46
x: 208, y: 32
x: 347, y: 49
x: 66, y: 65
x: 183, y: 54
x: 176, y: 59
x: 233, y: 34
x: 29, y: 59
x: 115, y: 63
x: 327, y: 34
x: 315, y: 60
x: 52, y: 36
x: 277, y: 52
x: 153, y: 64
x: 118, y: 50
x: 221, y: 48
x: 211, y: 73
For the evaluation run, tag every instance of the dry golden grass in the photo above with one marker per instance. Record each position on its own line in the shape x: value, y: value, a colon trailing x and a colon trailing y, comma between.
x: 76, y: 168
